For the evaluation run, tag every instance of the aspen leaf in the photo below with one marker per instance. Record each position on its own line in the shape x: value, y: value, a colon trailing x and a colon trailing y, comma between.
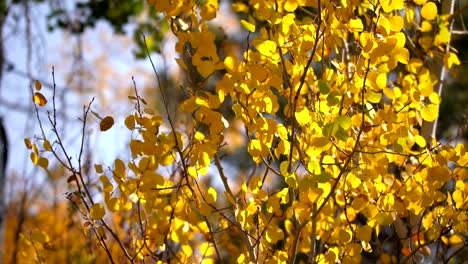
x: 43, y: 162
x: 273, y: 234
x: 290, y: 5
x: 420, y: 141
x: 384, y: 218
x: 396, y: 23
x: 429, y: 11
x: 344, y: 122
x: 211, y: 196
x: 130, y: 122
x: 303, y: 117
x: 291, y: 180
x: 46, y: 145
x: 456, y: 240
x: 106, y: 123
x: 450, y: 59
x: 356, y: 25
x: 364, y: 233
x: 420, y: 2
x: 250, y: 27
x: 27, y: 142
x: 39, y: 99
x: 37, y: 85
x: 34, y: 158
x: 430, y: 112
x: 97, y: 211
x: 98, y: 168
x: 323, y: 86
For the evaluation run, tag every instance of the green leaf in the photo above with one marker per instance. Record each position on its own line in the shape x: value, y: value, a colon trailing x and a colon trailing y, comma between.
x: 324, y: 88
x: 344, y: 122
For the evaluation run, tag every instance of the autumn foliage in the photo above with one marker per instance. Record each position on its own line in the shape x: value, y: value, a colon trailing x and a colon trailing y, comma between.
x: 327, y: 98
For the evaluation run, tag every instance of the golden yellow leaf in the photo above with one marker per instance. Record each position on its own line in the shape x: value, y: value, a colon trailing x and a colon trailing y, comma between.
x: 430, y: 112
x: 27, y: 142
x: 356, y: 25
x: 97, y: 211
x: 47, y: 145
x: 429, y: 11
x: 106, y: 123
x: 211, y: 195
x: 43, y: 162
x: 396, y: 23
x: 450, y: 59
x: 303, y: 117
x: 420, y: 141
x: 34, y: 158
x: 290, y: 5
x: 37, y: 85
x: 39, y: 99
x: 250, y: 27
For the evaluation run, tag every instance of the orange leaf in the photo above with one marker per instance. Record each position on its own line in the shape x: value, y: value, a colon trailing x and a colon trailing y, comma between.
x: 38, y: 85
x: 39, y: 99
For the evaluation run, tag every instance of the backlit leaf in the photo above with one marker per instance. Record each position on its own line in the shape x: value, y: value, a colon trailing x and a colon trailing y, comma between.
x: 303, y: 117
x: 249, y: 26
x: 356, y: 25
x: 430, y: 112
x: 429, y: 11
x: 97, y: 211
x: 211, y: 195
x: 39, y: 99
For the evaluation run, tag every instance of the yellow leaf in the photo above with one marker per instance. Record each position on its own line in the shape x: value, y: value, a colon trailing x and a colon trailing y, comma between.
x: 211, y: 195
x: 381, y: 80
x: 273, y: 234
x: 456, y: 240
x: 291, y: 180
x: 130, y: 122
x: 34, y: 158
x: 364, y: 233
x: 384, y: 218
x: 396, y: 23
x: 47, y: 145
x: 192, y: 172
x: 290, y: 5
x: 39, y: 99
x: 98, y: 168
x: 267, y: 48
x: 450, y: 59
x: 420, y: 141
x: 430, y: 112
x: 43, y: 162
x: 97, y: 211
x: 303, y: 117
x: 250, y: 27
x: 356, y: 25
x: 38, y: 85
x: 429, y: 11
x: 106, y: 123
x: 27, y: 142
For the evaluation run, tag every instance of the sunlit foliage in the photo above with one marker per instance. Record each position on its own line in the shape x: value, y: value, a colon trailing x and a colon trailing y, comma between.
x: 330, y: 97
